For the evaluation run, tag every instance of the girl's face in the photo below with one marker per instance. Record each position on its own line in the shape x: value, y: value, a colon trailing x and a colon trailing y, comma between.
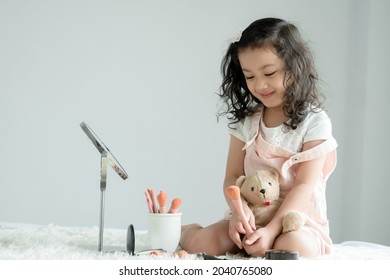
x: 264, y: 73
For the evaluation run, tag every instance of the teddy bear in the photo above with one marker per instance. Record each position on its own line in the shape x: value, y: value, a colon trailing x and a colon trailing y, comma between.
x: 261, y: 190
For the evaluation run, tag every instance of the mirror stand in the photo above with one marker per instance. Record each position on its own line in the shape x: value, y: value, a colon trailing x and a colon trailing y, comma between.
x: 103, y: 182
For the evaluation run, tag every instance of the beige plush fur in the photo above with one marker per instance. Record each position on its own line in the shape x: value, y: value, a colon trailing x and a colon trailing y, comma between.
x: 261, y: 191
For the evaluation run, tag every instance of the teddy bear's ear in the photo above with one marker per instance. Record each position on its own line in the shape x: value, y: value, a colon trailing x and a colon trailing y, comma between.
x: 240, y: 181
x: 274, y: 173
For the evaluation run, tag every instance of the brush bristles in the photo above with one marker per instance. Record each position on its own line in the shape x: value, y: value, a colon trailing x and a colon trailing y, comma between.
x: 162, y: 198
x: 233, y: 192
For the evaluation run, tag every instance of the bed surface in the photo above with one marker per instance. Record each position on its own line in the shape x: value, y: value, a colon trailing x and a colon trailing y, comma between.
x: 54, y: 242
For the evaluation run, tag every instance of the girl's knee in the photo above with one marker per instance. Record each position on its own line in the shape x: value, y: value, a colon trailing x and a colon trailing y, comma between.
x: 189, y: 236
x: 299, y: 241
x: 213, y: 240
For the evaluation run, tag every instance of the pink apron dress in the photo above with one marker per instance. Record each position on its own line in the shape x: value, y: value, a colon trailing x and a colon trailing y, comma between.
x: 262, y: 155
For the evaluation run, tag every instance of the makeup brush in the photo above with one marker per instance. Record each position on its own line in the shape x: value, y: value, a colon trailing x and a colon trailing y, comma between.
x: 149, y: 202
x: 162, y: 200
x: 233, y: 192
x: 176, y: 202
x: 153, y: 199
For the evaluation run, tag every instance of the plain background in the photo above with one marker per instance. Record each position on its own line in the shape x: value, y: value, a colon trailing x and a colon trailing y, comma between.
x: 144, y: 75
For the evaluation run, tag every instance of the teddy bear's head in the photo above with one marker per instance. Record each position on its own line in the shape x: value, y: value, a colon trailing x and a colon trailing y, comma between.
x: 260, y: 188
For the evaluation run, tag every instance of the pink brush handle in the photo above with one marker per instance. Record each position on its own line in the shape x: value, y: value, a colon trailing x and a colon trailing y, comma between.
x: 233, y: 192
x: 153, y: 200
x: 149, y: 202
x: 237, y: 203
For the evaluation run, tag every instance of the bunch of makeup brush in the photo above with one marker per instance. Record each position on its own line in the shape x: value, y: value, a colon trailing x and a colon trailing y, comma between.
x: 157, y: 204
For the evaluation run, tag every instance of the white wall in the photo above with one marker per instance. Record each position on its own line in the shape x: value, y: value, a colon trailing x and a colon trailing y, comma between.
x: 374, y: 199
x: 144, y: 74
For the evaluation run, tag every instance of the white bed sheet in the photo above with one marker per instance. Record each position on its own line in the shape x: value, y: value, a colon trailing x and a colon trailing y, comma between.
x: 54, y: 242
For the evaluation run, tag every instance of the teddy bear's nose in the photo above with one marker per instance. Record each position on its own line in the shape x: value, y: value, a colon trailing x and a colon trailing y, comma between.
x: 262, y: 191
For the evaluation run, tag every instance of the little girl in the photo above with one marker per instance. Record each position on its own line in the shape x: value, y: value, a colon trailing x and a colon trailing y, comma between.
x: 276, y: 121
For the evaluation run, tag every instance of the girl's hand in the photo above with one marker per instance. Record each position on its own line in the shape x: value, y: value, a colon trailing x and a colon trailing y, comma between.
x: 236, y: 227
x: 259, y: 242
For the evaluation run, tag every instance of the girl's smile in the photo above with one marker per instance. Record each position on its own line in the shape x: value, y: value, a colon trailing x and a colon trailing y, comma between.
x: 266, y: 95
x: 264, y: 74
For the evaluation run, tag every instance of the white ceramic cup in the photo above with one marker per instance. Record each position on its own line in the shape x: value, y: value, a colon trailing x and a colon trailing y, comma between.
x: 164, y: 231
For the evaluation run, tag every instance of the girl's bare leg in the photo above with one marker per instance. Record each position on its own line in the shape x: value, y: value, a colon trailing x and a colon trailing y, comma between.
x: 212, y: 240
x: 300, y: 241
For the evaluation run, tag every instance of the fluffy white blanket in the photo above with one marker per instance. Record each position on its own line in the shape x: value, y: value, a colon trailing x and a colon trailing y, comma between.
x: 52, y: 242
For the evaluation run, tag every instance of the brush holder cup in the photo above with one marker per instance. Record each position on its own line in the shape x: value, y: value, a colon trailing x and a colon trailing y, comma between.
x: 164, y: 231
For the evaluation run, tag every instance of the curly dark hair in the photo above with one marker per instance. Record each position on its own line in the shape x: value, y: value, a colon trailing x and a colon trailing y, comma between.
x: 301, y: 82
